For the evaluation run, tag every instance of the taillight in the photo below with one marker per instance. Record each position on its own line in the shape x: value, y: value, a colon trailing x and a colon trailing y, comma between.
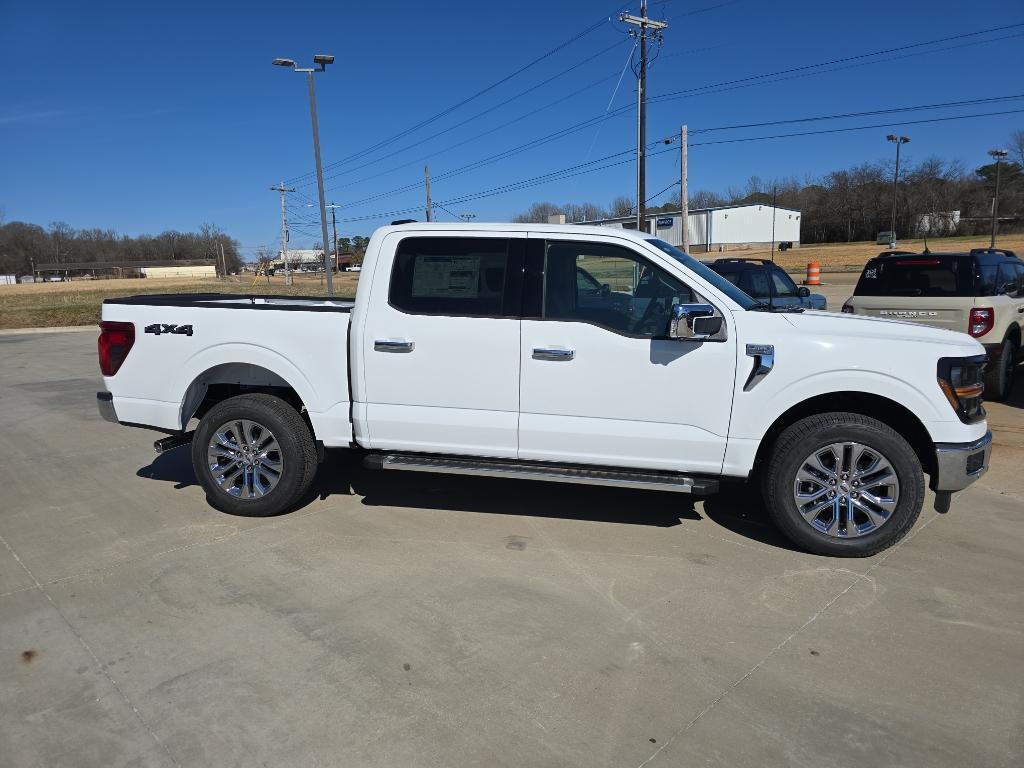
x: 848, y: 308
x: 114, y: 344
x: 981, y: 321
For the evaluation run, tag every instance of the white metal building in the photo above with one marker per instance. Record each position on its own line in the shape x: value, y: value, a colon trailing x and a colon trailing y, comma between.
x: 730, y: 227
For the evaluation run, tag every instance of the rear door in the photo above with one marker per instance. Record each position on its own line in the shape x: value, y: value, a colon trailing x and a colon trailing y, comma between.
x: 441, y: 344
x: 935, y: 290
x: 600, y: 382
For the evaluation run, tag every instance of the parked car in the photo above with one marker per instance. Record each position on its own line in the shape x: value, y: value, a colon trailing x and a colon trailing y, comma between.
x: 484, y: 350
x: 980, y: 293
x: 767, y: 282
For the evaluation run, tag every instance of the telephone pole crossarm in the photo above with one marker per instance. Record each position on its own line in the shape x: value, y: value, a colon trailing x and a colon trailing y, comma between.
x: 646, y: 28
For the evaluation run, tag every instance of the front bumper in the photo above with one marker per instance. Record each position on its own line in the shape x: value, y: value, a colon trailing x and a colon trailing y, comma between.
x: 105, y: 403
x: 957, y: 465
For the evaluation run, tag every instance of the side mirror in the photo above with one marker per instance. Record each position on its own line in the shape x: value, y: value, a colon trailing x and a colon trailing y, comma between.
x: 693, y: 322
x: 803, y: 291
x: 606, y: 290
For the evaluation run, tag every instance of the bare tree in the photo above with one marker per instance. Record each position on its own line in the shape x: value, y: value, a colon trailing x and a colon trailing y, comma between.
x: 1016, y: 147
x: 621, y: 206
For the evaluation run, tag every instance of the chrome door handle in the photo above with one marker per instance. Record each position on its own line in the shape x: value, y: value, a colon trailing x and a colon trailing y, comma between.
x: 393, y: 345
x: 553, y: 353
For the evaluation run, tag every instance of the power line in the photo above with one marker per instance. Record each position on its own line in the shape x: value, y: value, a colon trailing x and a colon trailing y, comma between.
x: 468, y: 99
x: 858, y: 128
x: 700, y: 90
x: 494, y: 158
x: 844, y: 59
x: 582, y: 169
x: 490, y: 109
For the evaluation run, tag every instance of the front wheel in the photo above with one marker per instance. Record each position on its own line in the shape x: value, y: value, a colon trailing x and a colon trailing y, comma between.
x: 843, y: 484
x: 253, y: 455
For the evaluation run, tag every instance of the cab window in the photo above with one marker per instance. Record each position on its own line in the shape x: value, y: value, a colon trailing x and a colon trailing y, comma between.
x: 609, y: 286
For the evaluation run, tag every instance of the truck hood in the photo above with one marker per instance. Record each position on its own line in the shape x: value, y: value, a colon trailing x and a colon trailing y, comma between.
x: 823, y: 324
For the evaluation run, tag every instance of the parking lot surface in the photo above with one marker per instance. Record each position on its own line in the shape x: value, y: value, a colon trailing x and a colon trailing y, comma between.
x: 426, y: 621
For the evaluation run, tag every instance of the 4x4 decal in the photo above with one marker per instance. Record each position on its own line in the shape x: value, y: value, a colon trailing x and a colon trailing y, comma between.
x: 158, y: 328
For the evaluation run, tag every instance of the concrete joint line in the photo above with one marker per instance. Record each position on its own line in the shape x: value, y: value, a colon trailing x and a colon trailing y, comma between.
x: 92, y: 655
x: 858, y: 577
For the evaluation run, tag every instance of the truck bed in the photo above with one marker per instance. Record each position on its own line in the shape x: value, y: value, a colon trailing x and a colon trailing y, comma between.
x: 184, y: 344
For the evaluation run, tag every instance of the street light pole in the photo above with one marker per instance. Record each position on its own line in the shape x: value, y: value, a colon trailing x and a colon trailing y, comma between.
x: 899, y: 141
x: 322, y: 61
x: 998, y: 154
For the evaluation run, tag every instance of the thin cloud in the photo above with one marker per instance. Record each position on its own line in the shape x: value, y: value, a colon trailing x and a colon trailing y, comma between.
x: 29, y: 117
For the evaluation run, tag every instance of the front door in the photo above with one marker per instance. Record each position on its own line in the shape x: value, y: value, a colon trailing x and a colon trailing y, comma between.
x: 441, y: 349
x: 601, y: 384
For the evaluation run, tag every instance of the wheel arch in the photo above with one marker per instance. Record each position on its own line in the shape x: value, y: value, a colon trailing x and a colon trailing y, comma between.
x: 226, y: 380
x: 894, y: 414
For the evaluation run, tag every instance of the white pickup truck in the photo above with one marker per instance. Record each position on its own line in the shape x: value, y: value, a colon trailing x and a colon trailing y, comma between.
x: 560, y: 353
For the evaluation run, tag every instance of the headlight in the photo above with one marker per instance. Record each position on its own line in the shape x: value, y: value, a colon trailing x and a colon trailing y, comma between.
x: 961, y: 381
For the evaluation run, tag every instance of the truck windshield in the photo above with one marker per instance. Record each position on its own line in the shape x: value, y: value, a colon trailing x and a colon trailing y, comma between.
x: 721, y: 283
x: 916, y: 276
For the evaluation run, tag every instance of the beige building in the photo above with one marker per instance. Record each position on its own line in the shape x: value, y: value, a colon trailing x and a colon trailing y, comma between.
x: 208, y: 270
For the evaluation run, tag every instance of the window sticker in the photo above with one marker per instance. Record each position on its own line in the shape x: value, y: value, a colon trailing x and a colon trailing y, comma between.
x: 446, y: 277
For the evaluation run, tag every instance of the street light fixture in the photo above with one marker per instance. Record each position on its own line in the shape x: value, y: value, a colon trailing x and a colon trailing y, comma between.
x: 321, y: 60
x: 899, y: 141
x: 998, y: 155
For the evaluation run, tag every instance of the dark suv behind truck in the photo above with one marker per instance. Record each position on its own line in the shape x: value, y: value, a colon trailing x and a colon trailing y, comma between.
x: 768, y: 283
x: 980, y: 293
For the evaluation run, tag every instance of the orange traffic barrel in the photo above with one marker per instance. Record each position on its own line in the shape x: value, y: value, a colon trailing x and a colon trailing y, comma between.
x: 813, y: 273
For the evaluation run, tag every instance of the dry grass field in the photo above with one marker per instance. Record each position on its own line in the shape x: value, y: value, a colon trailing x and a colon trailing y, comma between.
x: 47, y: 305
x: 845, y: 256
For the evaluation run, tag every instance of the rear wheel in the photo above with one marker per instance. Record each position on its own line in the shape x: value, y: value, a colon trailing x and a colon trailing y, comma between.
x: 843, y: 484
x: 999, y: 376
x: 253, y: 455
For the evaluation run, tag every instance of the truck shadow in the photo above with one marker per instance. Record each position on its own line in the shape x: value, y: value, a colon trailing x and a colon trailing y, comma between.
x: 342, y: 472
x: 737, y: 508
x: 174, y: 466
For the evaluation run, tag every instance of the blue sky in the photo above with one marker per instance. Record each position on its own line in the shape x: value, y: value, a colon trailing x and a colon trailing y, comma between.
x: 144, y: 117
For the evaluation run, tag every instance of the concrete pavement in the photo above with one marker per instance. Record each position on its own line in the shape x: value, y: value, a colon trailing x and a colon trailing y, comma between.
x: 428, y: 621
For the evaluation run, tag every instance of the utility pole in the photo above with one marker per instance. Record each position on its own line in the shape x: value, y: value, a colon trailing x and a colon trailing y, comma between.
x: 284, y: 231
x: 334, y: 231
x: 645, y: 27
x: 899, y: 141
x: 684, y: 195
x: 775, y: 199
x: 998, y: 154
x: 430, y: 208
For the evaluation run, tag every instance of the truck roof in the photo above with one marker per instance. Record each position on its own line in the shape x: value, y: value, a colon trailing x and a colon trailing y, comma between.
x: 572, y: 229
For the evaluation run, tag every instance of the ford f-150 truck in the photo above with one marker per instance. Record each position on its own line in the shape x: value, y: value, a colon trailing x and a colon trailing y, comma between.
x: 561, y: 353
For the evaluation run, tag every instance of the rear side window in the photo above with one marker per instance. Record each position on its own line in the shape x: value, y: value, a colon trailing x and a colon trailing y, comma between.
x: 924, y: 276
x: 457, y: 276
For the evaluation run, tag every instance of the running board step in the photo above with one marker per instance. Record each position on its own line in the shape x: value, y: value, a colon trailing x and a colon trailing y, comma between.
x: 556, y: 473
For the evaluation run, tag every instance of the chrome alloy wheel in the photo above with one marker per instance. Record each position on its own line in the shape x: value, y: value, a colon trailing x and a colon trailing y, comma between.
x: 245, y: 459
x: 846, y: 490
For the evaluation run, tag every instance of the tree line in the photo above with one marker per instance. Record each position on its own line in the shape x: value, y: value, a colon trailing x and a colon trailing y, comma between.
x: 23, y: 245
x: 856, y: 203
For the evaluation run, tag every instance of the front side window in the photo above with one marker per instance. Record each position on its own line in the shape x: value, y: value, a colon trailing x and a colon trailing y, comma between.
x: 609, y: 286
x: 782, y: 283
x: 458, y: 276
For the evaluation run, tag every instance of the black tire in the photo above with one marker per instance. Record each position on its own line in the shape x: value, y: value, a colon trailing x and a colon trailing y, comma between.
x: 799, y: 441
x: 999, y: 377
x: 297, y: 454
